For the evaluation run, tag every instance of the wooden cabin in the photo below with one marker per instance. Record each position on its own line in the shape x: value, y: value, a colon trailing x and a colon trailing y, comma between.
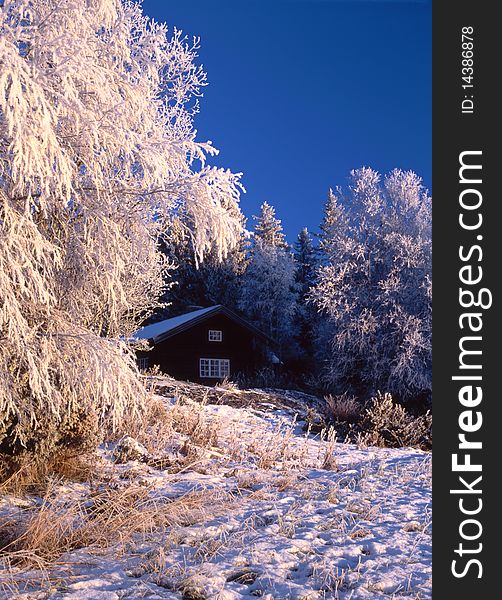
x: 206, y: 346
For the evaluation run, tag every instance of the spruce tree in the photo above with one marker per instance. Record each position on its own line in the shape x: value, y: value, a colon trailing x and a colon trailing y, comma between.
x: 269, y: 292
x: 306, y: 261
x: 332, y: 225
x: 269, y: 229
x: 305, y: 257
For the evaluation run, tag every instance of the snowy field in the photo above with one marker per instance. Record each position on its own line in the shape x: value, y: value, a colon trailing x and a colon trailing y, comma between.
x: 255, y: 508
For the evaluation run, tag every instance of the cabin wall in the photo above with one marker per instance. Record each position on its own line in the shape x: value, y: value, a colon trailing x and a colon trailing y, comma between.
x: 179, y: 355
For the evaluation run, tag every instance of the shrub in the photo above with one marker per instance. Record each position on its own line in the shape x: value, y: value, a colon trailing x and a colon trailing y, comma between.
x: 342, y: 408
x: 386, y: 423
x: 381, y: 422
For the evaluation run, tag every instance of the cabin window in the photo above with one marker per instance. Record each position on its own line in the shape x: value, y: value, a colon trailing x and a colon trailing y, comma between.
x: 215, y: 335
x: 214, y: 367
x: 143, y: 363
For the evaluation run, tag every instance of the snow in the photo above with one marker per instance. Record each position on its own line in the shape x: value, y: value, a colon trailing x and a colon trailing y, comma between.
x: 273, y: 523
x: 274, y: 359
x: 156, y: 329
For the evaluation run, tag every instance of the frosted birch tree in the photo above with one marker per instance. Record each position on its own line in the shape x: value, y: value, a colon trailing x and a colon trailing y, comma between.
x: 97, y: 150
x: 375, y: 288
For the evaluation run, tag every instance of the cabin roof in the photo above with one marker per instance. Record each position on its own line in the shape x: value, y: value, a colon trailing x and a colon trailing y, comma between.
x: 158, y: 332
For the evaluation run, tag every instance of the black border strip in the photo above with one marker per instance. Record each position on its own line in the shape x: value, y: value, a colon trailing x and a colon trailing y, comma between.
x: 455, y: 130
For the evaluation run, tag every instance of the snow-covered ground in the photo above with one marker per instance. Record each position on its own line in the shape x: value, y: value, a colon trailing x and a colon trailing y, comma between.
x: 263, y: 510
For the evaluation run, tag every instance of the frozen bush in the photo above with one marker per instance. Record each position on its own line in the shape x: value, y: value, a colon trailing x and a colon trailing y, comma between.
x: 387, y: 423
x: 343, y: 408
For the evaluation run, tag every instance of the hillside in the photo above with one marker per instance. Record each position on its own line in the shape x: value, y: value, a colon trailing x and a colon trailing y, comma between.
x: 226, y: 497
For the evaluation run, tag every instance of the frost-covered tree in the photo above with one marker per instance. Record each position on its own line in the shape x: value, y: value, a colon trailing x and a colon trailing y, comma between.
x: 268, y: 228
x: 376, y: 288
x: 305, y: 257
x: 97, y: 150
x: 268, y: 295
x: 306, y: 262
x: 269, y: 291
x: 223, y: 278
x: 214, y: 281
x: 183, y: 286
x: 332, y: 225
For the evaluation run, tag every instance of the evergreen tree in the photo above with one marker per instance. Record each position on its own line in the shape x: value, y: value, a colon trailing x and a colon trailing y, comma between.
x: 269, y: 292
x: 186, y: 290
x: 268, y: 228
x: 306, y: 262
x: 305, y: 257
x: 196, y: 284
x: 222, y: 278
x: 331, y: 226
x: 268, y: 296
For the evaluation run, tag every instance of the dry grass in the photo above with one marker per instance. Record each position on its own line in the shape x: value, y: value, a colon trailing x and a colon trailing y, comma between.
x: 111, y: 515
x: 329, y: 579
x: 154, y: 429
x: 189, y: 418
x: 328, y: 461
x: 177, y: 436
x: 163, y: 428
x: 44, y: 533
x: 228, y: 385
x: 287, y: 482
x: 278, y: 450
x: 288, y: 522
x: 32, y: 477
x: 343, y: 408
x: 119, y: 513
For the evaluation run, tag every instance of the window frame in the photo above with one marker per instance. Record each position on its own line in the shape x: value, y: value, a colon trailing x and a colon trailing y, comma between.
x: 217, y: 335
x: 143, y: 363
x: 214, y: 368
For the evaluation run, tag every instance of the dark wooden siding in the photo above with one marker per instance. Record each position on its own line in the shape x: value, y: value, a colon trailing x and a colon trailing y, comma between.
x: 179, y: 355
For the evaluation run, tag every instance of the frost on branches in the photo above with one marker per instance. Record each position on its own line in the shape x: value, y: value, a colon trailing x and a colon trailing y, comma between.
x: 269, y: 229
x: 97, y: 150
x: 305, y: 320
x: 375, y: 285
x: 269, y: 291
x: 195, y: 284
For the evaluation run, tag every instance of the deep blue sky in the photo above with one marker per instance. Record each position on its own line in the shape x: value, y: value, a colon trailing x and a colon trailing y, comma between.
x: 301, y: 92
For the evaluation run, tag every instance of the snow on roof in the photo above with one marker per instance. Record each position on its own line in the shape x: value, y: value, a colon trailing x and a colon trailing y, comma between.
x: 274, y: 359
x: 152, y: 331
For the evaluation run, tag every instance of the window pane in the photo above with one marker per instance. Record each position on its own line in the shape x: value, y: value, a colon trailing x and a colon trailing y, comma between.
x: 204, y: 367
x: 214, y: 367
